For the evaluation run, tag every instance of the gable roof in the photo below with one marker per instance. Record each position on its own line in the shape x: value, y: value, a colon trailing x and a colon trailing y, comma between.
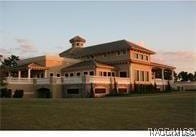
x: 103, y: 48
x: 87, y: 64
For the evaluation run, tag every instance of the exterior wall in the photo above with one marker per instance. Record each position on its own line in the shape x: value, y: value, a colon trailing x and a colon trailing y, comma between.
x: 105, y: 70
x: 140, y: 67
x: 123, y: 67
x: 52, y: 61
x: 80, y: 87
x: 29, y: 89
x: 133, y: 57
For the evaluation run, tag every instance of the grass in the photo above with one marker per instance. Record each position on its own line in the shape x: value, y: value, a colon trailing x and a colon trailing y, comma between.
x: 172, y: 110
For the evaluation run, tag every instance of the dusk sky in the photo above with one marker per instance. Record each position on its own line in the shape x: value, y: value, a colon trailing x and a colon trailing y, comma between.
x: 30, y: 29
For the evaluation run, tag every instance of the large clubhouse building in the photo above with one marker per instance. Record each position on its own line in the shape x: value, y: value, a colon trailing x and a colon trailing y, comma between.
x: 81, y: 70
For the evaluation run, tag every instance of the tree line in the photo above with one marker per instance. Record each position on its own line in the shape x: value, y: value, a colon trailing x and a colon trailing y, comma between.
x: 185, y: 76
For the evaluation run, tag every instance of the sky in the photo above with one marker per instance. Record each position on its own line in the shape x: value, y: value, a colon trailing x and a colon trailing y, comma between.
x: 36, y: 28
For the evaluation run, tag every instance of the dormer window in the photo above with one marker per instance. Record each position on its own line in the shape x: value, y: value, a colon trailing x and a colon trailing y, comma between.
x: 118, y: 53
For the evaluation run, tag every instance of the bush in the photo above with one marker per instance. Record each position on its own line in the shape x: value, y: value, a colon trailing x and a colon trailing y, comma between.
x: 5, y: 93
x: 18, y: 94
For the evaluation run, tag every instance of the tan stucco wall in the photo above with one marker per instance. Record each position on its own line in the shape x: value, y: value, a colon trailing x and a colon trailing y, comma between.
x: 140, y: 67
x: 29, y: 89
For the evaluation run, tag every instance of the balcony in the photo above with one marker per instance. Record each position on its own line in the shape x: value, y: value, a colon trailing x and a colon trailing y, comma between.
x: 69, y: 80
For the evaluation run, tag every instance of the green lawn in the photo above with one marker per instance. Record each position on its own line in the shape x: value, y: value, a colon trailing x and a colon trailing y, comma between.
x: 140, y: 112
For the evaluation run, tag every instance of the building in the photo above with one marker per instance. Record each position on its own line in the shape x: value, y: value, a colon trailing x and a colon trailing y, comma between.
x: 80, y: 70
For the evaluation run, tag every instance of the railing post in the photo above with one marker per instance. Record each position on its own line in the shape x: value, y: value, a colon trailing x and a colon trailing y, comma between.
x: 29, y: 73
x: 19, y: 74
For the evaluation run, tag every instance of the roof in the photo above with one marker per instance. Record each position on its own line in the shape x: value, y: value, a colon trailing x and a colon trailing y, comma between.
x: 77, y: 39
x: 103, y: 48
x: 161, y: 65
x: 33, y: 66
x: 88, y: 64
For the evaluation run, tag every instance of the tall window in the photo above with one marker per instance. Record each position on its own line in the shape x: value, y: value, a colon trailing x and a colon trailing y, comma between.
x: 142, y: 75
x: 109, y: 73
x: 104, y: 73
x: 118, y: 53
x: 137, y: 78
x: 113, y: 74
x: 78, y: 73
x: 66, y: 75
x: 100, y: 73
x: 71, y: 74
x: 147, y: 76
x: 123, y: 74
x: 147, y: 58
x: 91, y: 73
x: 85, y: 73
x: 142, y: 57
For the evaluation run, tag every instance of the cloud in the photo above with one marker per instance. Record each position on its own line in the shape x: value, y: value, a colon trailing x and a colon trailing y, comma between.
x: 26, y: 46
x: 182, y: 60
x: 4, y: 51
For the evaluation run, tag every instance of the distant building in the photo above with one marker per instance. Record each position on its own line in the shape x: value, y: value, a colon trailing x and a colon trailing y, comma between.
x: 81, y: 70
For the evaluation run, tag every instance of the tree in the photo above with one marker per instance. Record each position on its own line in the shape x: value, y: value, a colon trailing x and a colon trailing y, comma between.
x: 183, y: 76
x: 175, y: 76
x: 190, y: 77
x: 11, y: 61
x: 6, y: 64
x: 194, y: 77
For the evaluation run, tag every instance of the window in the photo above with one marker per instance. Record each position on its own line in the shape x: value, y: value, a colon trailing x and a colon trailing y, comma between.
x: 100, y: 90
x: 71, y: 74
x: 142, y: 57
x: 109, y: 73
x: 92, y: 73
x: 104, y: 74
x: 123, y: 74
x: 137, y: 75
x: 78, y: 73
x: 85, y: 73
x: 66, y: 75
x: 118, y: 53
x: 147, y: 58
x: 122, y: 90
x: 51, y: 74
x: 100, y: 73
x: 58, y: 75
x: 137, y: 56
x: 147, y: 76
x: 72, y: 91
x: 142, y: 75
x: 78, y: 44
x: 124, y: 52
x: 113, y: 74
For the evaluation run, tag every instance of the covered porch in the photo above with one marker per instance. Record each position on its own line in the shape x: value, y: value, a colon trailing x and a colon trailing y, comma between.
x: 31, y: 70
x: 162, y: 75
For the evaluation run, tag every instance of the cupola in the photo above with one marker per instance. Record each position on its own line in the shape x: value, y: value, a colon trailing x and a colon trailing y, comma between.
x: 77, y: 41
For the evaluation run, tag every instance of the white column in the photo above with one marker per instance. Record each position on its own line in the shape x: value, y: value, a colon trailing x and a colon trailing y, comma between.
x: 29, y: 73
x: 45, y: 73
x: 19, y: 74
x: 162, y: 74
x: 172, y: 75
x: 162, y: 70
x: 9, y: 74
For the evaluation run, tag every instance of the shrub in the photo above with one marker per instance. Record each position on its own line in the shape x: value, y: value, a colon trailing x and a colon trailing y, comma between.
x: 18, y: 94
x: 5, y: 93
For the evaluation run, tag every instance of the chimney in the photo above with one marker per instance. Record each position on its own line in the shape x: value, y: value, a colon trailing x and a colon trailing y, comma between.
x: 77, y: 42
